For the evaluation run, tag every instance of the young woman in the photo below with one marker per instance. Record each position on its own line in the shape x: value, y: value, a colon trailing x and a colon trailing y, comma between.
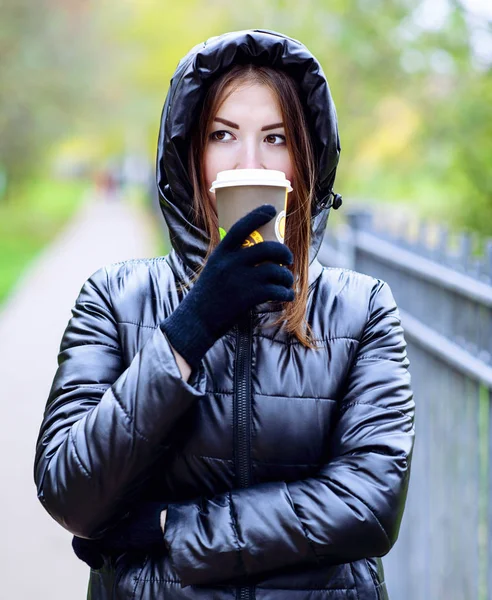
x: 231, y: 422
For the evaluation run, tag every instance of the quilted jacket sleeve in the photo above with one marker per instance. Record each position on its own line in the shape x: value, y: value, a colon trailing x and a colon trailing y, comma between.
x: 104, y: 424
x: 350, y: 510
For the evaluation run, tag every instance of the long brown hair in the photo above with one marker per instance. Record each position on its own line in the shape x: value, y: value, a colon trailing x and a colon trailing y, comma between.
x: 299, y: 146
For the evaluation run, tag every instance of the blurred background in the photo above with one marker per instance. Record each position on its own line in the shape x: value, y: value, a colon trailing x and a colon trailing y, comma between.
x: 82, y: 84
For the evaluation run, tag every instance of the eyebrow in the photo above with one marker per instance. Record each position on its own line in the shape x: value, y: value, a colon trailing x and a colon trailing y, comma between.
x: 236, y: 126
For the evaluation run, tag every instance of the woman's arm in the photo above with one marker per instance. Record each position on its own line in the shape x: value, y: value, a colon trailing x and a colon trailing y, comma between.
x: 350, y: 510
x: 184, y: 367
x: 104, y: 424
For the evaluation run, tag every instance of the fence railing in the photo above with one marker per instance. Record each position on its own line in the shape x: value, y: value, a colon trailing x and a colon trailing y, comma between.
x: 444, y: 293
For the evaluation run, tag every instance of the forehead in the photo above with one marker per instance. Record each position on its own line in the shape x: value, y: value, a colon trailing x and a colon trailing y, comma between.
x: 248, y: 96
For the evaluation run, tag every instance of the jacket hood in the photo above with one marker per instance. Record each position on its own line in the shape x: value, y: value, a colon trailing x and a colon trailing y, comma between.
x: 195, y: 72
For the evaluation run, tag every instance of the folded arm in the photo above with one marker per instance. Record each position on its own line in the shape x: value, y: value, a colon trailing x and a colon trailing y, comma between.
x: 105, y: 423
x: 351, y: 509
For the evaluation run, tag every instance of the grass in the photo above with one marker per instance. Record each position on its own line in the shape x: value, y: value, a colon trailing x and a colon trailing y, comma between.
x: 29, y: 220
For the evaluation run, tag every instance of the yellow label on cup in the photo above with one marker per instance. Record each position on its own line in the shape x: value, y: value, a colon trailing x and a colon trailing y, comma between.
x: 252, y: 239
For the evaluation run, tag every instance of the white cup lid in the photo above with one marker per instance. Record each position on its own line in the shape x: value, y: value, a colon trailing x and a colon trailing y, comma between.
x: 237, y: 177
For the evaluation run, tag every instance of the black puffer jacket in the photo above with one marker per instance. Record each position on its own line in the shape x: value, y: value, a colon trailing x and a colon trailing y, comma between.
x: 285, y: 468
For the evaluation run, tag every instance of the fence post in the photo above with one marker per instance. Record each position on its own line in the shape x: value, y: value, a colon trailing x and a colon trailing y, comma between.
x: 358, y: 219
x: 488, y: 499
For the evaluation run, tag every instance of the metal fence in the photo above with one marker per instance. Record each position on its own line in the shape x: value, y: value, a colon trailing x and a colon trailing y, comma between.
x: 444, y: 294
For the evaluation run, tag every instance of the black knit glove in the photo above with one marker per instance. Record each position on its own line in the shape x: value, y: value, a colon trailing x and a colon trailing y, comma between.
x: 88, y: 551
x: 140, y: 530
x: 234, y: 280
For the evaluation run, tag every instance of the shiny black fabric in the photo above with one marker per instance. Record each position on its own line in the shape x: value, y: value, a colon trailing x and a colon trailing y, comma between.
x: 285, y: 468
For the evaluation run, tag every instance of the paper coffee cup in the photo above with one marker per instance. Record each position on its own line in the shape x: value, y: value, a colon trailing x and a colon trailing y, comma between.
x: 239, y: 191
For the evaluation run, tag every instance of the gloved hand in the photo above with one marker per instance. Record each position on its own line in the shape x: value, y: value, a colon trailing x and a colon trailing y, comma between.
x: 233, y: 281
x: 140, y: 530
x: 88, y: 551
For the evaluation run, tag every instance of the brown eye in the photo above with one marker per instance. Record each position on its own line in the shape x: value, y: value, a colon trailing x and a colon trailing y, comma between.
x: 275, y: 139
x: 219, y: 136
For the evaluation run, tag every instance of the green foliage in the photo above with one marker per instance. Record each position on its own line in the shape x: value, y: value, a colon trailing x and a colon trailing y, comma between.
x: 143, y: 43
x: 414, y: 105
x: 35, y: 215
x: 44, y: 60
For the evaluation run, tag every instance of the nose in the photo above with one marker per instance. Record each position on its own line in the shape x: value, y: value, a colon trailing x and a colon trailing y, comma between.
x: 250, y: 157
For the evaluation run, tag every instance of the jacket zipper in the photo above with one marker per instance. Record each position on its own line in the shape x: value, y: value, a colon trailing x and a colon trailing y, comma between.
x: 242, y: 415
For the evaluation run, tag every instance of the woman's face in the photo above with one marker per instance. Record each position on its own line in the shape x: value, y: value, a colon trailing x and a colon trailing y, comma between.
x: 247, y: 133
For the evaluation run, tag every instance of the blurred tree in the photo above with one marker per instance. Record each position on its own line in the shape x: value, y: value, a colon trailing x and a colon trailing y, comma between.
x: 42, y: 79
x: 411, y: 80
x: 414, y: 102
x: 143, y: 43
x: 457, y: 101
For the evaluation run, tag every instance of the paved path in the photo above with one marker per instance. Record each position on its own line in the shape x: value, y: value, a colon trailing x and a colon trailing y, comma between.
x: 36, y: 559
